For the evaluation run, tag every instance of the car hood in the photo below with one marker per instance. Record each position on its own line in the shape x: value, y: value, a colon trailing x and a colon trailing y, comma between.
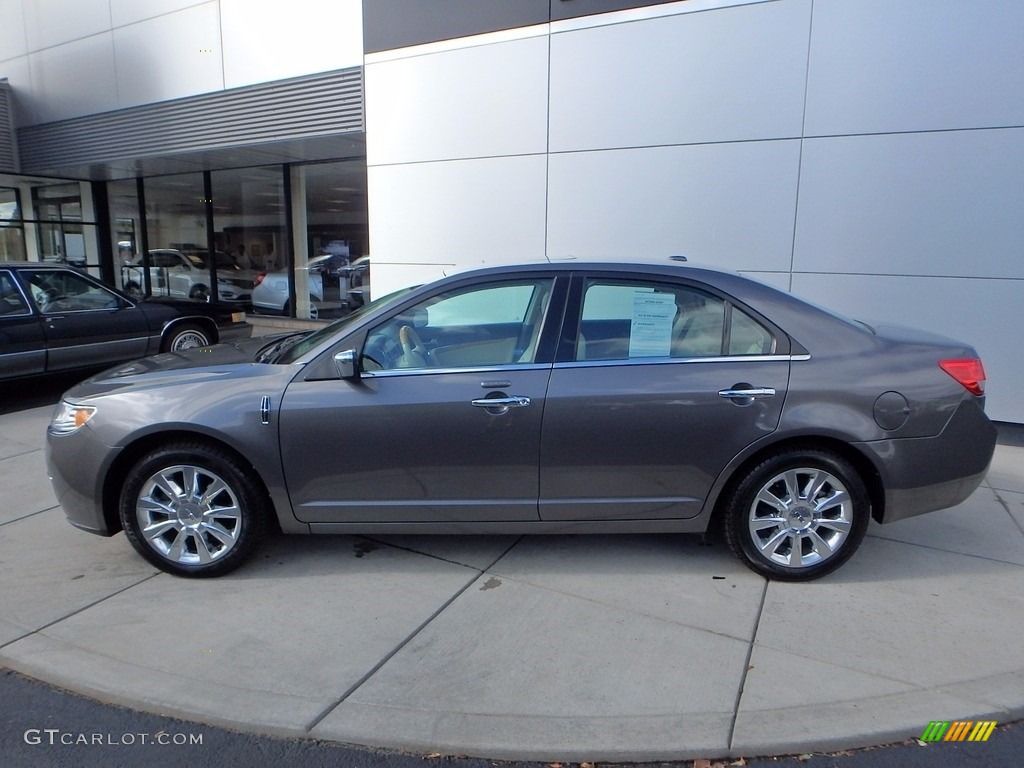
x: 216, y: 363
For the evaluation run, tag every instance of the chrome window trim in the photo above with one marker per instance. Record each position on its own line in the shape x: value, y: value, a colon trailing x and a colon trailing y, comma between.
x: 677, y: 360
x: 468, y: 369
x: 63, y: 312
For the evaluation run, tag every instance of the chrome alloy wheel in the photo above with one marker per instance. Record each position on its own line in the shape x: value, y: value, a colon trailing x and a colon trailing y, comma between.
x: 801, y: 517
x: 188, y: 514
x: 189, y: 340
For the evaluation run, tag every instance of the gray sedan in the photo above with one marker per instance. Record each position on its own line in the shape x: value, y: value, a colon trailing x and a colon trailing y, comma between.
x: 549, y: 398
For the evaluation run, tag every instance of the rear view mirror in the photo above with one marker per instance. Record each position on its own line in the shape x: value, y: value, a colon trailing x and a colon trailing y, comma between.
x: 346, y: 362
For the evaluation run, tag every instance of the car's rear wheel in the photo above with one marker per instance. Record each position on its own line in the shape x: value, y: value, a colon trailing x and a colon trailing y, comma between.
x: 193, y: 510
x: 797, y: 515
x: 187, y: 336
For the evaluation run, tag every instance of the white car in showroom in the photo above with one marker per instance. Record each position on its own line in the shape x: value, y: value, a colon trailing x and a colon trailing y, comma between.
x: 186, y: 275
x: 270, y: 294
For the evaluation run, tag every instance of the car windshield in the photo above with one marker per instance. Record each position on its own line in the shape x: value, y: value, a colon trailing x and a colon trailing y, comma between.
x: 292, y: 352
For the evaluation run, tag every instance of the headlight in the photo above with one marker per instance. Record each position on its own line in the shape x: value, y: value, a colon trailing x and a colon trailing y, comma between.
x: 69, y: 417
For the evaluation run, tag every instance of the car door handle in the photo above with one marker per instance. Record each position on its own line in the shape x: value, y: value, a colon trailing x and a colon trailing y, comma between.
x: 756, y: 393
x: 516, y: 401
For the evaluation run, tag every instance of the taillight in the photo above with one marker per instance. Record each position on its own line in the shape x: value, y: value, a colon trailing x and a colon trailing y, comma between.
x: 968, y: 371
x: 259, y: 278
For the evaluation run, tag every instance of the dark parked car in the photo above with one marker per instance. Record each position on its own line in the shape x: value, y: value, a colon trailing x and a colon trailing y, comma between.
x: 550, y: 398
x: 56, y: 318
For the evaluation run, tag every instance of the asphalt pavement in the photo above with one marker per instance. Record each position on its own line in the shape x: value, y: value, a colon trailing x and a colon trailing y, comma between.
x: 555, y: 649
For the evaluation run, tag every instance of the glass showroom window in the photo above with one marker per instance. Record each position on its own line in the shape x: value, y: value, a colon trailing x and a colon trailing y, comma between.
x: 251, y: 234
x: 126, y: 234
x: 176, y: 234
x: 330, y: 218
x: 12, y: 230
x: 64, y: 235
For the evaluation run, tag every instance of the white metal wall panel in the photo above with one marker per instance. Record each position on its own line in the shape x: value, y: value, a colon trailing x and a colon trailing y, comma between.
x: 945, y: 203
x: 265, y: 40
x: 54, y: 22
x: 147, y: 74
x: 984, y: 313
x: 13, y: 40
x: 724, y: 75
x: 915, y: 65
x: 454, y: 215
x: 471, y: 102
x: 725, y: 204
x: 74, y: 79
x: 124, y: 12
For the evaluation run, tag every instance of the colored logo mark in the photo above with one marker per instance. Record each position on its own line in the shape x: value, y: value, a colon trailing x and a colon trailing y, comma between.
x: 958, y: 730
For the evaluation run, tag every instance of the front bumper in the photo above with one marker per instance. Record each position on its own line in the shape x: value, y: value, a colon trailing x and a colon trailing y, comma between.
x: 77, y: 464
x: 927, y: 474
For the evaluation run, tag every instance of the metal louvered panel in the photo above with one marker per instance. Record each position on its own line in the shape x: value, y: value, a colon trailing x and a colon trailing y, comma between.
x: 317, y: 105
x: 8, y: 147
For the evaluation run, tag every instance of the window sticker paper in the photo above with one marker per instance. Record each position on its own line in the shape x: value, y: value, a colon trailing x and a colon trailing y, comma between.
x: 650, y: 332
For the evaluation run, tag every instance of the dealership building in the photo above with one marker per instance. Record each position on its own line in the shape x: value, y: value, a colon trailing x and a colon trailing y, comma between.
x: 865, y: 154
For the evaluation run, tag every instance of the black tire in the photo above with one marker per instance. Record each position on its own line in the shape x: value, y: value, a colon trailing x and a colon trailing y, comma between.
x: 801, y: 536
x: 185, y: 336
x: 206, y: 535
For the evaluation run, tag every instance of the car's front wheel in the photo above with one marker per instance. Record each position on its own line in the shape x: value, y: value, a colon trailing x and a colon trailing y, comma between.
x: 797, y: 515
x: 193, y: 510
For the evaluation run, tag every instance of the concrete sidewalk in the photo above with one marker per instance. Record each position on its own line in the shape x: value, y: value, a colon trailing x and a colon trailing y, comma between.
x: 556, y: 648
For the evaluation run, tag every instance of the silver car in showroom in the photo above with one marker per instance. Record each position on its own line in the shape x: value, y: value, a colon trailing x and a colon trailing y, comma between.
x: 545, y: 398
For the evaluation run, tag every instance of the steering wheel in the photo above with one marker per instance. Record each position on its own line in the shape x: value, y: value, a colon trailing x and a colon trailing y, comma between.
x: 414, y: 354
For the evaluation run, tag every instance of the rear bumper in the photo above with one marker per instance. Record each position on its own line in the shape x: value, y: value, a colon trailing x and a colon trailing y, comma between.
x: 927, y: 474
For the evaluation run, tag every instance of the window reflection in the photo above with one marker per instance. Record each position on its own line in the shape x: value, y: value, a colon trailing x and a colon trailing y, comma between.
x: 63, y: 236
x: 12, y: 238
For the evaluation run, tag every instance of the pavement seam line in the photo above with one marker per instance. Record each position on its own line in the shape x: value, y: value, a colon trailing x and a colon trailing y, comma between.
x: 746, y: 666
x: 624, y: 608
x: 526, y: 581
x: 412, y: 635
x: 1006, y: 505
x: 77, y: 611
x: 30, y: 514
x: 427, y: 554
x: 947, y: 551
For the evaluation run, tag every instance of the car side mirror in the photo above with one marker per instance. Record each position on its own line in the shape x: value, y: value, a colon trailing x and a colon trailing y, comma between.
x: 347, y: 364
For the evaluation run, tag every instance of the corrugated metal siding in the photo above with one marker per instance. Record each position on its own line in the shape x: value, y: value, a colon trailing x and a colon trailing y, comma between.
x: 305, y: 107
x: 8, y: 147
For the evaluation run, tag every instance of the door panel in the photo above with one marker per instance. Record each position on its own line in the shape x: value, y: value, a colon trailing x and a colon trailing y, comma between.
x: 84, y: 323
x: 646, y: 441
x: 411, y: 447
